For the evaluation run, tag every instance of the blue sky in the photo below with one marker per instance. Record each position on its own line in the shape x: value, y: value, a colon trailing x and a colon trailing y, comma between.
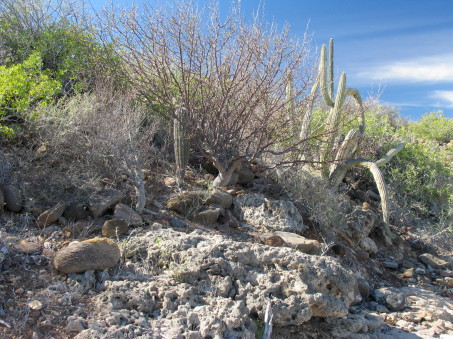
x: 400, y: 49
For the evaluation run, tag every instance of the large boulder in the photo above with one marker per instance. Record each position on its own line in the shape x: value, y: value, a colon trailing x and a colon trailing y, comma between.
x: 91, y: 254
x: 270, y: 215
x: 221, y: 285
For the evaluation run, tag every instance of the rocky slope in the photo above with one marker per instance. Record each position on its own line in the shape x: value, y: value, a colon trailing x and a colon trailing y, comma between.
x: 205, y: 264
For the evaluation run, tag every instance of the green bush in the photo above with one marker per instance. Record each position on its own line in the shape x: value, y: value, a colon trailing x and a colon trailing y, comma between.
x: 22, y: 87
x: 432, y: 126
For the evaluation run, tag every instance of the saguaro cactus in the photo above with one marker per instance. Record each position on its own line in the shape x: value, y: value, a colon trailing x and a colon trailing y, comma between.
x: 181, y: 146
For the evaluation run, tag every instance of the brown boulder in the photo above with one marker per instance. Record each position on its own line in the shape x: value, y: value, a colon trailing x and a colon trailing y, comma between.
x: 51, y: 215
x: 92, y: 254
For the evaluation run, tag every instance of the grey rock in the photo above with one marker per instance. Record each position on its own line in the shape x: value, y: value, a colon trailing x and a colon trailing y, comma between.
x: 390, y: 297
x: 13, y: 198
x: 390, y: 264
x: 301, y: 243
x: 220, y: 197
x: 176, y: 223
x: 364, y: 288
x: 433, y: 261
x: 271, y: 215
x: 76, y: 211
x: 206, y: 217
x: 420, y: 271
x: 114, y: 228
x: 75, y: 324
x: 92, y: 254
x: 368, y: 245
x: 221, y: 283
x: 126, y: 213
x: 245, y: 175
x: 102, y: 201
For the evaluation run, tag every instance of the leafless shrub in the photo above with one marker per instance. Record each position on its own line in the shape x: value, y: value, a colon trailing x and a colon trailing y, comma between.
x: 102, y: 132
x: 230, y: 76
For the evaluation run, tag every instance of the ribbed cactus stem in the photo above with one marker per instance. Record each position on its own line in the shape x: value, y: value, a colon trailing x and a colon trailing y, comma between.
x: 290, y: 98
x: 382, y: 189
x: 323, y: 74
x: 390, y: 154
x: 346, y: 150
x: 331, y: 67
x: 181, y: 146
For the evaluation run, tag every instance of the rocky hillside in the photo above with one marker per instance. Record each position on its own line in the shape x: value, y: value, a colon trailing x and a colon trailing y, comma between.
x: 205, y: 263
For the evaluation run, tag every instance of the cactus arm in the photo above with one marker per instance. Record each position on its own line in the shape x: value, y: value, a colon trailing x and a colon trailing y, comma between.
x: 347, y: 149
x: 323, y: 74
x: 309, y: 111
x: 380, y: 183
x: 390, y: 154
x: 332, y: 123
x: 331, y: 67
x: 358, y: 98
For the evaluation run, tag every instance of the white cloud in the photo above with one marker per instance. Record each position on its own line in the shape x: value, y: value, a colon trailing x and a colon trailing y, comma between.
x: 427, y: 69
x: 446, y: 97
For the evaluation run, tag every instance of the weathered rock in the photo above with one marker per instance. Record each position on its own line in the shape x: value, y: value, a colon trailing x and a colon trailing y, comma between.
x: 420, y: 271
x: 13, y: 198
x: 221, y: 283
x: 448, y: 282
x: 245, y: 175
x: 114, y: 228
x: 206, y: 217
x: 51, y: 215
x: 92, y: 254
x: 433, y: 261
x: 25, y: 246
x: 359, y: 225
x: 188, y: 202
x: 390, y: 297
x: 76, y: 324
x: 275, y: 241
x: 368, y: 245
x: 390, y: 264
x: 102, y: 201
x: 76, y: 212
x: 362, y: 256
x: 364, y: 288
x: 301, y: 243
x: 126, y: 213
x: 272, y: 215
x: 219, y: 197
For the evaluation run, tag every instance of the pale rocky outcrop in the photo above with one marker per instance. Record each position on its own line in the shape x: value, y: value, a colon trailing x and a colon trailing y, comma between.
x: 270, y: 215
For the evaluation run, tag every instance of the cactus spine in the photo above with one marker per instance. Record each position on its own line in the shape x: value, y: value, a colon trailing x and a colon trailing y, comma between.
x: 181, y: 146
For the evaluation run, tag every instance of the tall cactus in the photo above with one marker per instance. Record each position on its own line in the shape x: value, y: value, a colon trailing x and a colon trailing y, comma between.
x: 181, y: 146
x: 336, y: 104
x: 349, y: 146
